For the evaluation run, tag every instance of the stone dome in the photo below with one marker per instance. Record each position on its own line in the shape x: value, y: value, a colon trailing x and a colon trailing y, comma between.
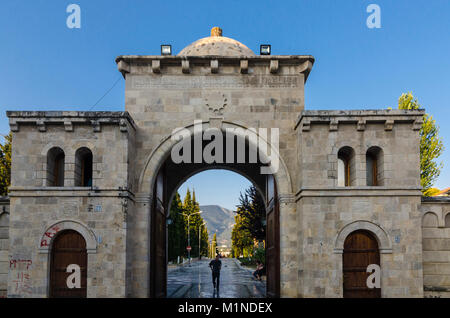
x: 216, y: 44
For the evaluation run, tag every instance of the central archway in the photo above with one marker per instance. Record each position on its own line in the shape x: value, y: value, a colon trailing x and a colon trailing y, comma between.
x: 160, y: 179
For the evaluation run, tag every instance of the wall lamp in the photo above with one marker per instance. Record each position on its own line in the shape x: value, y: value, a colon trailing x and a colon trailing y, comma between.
x: 264, y: 49
x: 166, y: 49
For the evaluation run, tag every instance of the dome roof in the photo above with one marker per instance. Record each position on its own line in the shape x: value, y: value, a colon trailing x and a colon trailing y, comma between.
x: 216, y: 44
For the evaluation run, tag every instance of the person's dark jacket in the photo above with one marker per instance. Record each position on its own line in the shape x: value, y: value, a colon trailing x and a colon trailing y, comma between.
x: 215, y: 265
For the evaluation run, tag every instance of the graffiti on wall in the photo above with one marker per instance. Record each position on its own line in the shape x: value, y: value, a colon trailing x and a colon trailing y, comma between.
x: 47, y: 237
x: 21, y: 275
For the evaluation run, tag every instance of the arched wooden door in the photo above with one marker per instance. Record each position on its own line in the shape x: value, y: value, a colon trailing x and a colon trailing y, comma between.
x: 360, y: 250
x: 68, y: 247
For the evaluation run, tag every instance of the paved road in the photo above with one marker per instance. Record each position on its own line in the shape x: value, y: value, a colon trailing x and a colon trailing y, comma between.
x: 196, y: 282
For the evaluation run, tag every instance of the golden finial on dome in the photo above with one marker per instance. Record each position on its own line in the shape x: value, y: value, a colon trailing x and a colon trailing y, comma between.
x: 216, y: 31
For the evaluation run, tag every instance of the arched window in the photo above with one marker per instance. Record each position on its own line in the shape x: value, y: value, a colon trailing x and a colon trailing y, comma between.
x: 447, y: 220
x: 360, y: 251
x: 346, y: 167
x: 430, y: 220
x: 55, y: 167
x: 83, y: 167
x: 374, y: 166
x: 68, y: 248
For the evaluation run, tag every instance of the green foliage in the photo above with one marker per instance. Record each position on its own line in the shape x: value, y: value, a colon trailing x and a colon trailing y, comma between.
x: 252, y: 211
x: 431, y: 145
x: 214, y: 245
x: 431, y: 192
x: 249, y: 223
x: 241, y: 238
x: 5, y: 165
x: 178, y: 230
x: 260, y: 255
x: 247, y: 261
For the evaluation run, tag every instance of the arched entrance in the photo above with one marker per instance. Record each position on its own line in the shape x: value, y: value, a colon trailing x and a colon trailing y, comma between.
x: 167, y: 177
x: 360, y: 250
x: 69, y: 247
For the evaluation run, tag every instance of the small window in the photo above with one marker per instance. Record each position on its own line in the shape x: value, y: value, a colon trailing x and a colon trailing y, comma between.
x: 429, y: 220
x: 374, y: 166
x: 346, y: 167
x: 55, y: 167
x: 83, y: 167
x: 447, y: 220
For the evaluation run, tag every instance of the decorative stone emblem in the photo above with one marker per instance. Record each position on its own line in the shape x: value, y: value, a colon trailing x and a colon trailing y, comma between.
x: 215, y: 102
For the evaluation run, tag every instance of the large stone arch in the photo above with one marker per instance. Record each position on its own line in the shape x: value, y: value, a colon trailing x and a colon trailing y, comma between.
x: 158, y: 156
x: 384, y: 242
x: 240, y: 172
x: 50, y: 232
x: 147, y: 178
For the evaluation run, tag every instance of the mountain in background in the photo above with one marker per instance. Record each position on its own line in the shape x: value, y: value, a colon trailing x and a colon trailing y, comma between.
x: 218, y: 220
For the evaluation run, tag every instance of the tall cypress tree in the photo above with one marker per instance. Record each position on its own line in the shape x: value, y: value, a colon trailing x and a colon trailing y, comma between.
x: 205, y: 241
x: 431, y: 145
x: 191, y: 207
x: 176, y: 230
x: 196, y: 222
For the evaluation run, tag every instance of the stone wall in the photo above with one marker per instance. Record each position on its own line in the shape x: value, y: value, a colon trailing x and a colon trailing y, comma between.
x: 316, y: 215
x: 165, y: 93
x: 328, y: 213
x: 436, y: 246
x: 40, y: 212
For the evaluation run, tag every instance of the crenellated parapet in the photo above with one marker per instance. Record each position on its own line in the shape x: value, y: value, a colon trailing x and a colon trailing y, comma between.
x: 205, y: 65
x: 387, y: 117
x: 69, y: 119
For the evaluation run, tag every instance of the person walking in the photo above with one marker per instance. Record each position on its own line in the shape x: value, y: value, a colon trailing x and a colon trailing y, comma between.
x: 216, y: 266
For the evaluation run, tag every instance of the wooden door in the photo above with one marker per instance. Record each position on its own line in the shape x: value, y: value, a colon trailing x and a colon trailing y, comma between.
x: 69, y: 247
x: 360, y: 250
x: 158, y: 257
x: 272, y: 239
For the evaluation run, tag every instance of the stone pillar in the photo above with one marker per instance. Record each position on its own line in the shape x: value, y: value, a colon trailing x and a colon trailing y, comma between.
x: 289, y: 251
x: 138, y: 256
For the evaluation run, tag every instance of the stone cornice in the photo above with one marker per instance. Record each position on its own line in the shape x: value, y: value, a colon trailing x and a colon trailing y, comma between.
x: 388, y: 117
x: 69, y: 118
x: 360, y: 191
x: 157, y: 62
x: 69, y: 192
x: 436, y: 200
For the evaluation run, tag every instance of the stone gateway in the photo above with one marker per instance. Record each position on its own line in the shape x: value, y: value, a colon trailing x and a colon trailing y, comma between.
x: 94, y: 188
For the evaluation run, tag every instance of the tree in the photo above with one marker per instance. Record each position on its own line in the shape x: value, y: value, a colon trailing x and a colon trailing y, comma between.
x: 5, y: 165
x: 252, y: 211
x: 214, y: 245
x: 176, y: 230
x: 241, y: 238
x: 192, y: 207
x: 205, y: 241
x: 431, y: 145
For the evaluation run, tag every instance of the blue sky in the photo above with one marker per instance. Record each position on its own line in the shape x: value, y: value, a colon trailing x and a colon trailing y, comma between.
x: 207, y: 189
x: 47, y: 66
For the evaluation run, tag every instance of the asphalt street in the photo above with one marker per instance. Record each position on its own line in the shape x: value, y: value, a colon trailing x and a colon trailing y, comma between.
x: 195, y: 281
